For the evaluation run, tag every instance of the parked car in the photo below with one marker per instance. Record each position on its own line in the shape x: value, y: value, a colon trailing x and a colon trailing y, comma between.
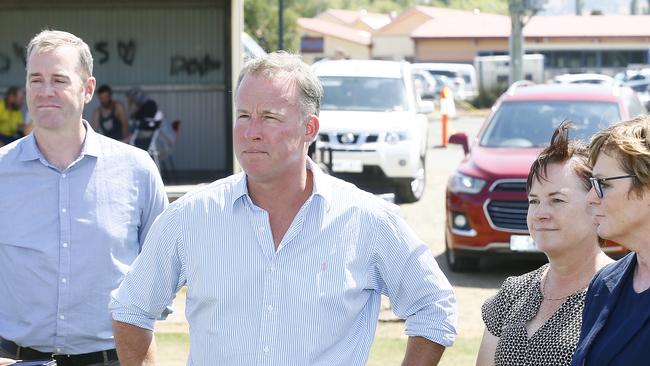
x: 486, y: 201
x: 373, y: 128
x: 425, y: 85
x: 584, y: 78
x: 463, y: 77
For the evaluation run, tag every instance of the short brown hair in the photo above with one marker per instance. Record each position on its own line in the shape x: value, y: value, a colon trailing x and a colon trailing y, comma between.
x: 306, y: 80
x: 562, y: 150
x: 629, y: 143
x: 48, y: 40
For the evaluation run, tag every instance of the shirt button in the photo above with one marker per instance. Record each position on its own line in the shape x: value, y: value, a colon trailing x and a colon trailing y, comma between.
x: 58, y: 349
x: 64, y: 210
x: 61, y: 317
x: 272, y: 268
x: 65, y: 245
x: 64, y: 280
x: 266, y: 349
x: 64, y: 175
x: 261, y: 229
x: 270, y: 307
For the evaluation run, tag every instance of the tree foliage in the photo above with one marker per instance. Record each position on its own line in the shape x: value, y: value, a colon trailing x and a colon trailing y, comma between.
x: 261, y: 16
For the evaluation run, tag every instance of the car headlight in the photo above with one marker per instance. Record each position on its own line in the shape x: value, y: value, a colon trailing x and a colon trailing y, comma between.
x: 393, y: 137
x: 461, y: 183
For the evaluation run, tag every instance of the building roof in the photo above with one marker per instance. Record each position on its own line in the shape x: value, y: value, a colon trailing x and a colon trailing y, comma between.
x: 589, y: 26
x: 465, y: 24
x: 335, y: 30
x: 376, y: 21
x: 373, y: 20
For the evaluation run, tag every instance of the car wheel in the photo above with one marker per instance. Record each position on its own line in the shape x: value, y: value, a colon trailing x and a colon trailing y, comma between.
x: 412, y: 191
x: 458, y: 262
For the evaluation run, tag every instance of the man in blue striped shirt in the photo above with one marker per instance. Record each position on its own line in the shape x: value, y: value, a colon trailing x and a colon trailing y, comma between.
x: 283, y: 264
x: 75, y: 207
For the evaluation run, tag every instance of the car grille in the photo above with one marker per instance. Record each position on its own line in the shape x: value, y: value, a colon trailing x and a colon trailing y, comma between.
x: 372, y: 138
x: 510, y: 186
x: 353, y: 138
x: 508, y: 215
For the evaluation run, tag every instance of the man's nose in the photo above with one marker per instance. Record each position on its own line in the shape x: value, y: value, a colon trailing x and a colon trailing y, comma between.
x: 254, y: 129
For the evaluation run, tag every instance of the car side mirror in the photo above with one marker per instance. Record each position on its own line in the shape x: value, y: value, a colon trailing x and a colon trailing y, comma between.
x: 426, y: 106
x: 460, y: 138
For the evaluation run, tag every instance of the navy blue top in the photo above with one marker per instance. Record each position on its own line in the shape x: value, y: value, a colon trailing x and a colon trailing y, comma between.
x: 629, y: 305
x: 629, y: 313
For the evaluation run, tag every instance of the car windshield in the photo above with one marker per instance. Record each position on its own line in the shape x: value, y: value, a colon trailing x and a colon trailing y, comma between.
x: 363, y: 94
x: 531, y: 123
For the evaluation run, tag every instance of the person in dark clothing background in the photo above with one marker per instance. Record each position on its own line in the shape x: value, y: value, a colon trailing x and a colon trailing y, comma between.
x: 145, y: 115
x: 110, y: 118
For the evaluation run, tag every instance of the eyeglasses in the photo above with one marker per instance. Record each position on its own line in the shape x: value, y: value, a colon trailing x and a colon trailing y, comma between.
x: 597, y: 183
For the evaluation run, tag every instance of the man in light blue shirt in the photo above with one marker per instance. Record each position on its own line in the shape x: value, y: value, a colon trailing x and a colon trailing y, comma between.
x: 284, y: 265
x: 75, y: 208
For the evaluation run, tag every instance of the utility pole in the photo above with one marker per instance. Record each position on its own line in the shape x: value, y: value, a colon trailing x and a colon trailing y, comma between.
x: 516, y: 42
x: 281, y: 25
x: 519, y: 9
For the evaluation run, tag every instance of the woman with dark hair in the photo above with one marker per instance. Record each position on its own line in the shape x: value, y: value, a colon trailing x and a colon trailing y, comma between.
x: 535, y: 318
x: 616, y: 322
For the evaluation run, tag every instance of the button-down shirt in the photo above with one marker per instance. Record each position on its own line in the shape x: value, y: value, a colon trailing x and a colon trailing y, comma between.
x: 68, y: 237
x: 313, y: 301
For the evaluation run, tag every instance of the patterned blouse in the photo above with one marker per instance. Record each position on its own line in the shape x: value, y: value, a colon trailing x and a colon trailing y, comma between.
x: 506, y: 313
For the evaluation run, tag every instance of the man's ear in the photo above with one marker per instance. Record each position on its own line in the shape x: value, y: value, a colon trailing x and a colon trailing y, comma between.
x: 312, y: 127
x: 89, y: 89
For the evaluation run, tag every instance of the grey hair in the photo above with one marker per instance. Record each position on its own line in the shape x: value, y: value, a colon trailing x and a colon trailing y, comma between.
x: 309, y: 86
x: 49, y: 40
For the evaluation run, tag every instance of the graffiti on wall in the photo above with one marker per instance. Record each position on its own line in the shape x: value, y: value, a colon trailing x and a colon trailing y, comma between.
x: 5, y: 59
x: 124, y: 52
x: 193, y: 65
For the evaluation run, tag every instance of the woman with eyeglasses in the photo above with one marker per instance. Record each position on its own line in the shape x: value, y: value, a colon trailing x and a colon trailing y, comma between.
x: 616, y: 320
x: 535, y: 318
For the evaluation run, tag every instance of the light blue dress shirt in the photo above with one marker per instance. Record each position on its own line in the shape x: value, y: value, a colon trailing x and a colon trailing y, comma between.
x: 314, y: 301
x: 68, y: 237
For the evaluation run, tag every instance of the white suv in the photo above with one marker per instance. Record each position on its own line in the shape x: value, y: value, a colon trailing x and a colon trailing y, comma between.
x: 373, y: 127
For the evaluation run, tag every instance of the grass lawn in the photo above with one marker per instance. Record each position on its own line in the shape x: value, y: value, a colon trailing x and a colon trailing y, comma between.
x: 173, y: 347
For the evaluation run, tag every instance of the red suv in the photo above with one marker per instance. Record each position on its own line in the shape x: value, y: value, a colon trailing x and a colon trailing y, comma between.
x: 486, y: 201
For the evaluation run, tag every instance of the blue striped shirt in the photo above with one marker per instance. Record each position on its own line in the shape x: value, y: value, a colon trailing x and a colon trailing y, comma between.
x: 314, y: 301
x: 68, y: 237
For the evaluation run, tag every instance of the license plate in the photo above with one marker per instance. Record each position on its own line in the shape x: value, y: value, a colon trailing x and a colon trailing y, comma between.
x: 347, y: 166
x: 522, y: 243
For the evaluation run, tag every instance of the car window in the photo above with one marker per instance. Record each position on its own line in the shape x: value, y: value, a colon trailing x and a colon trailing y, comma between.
x: 449, y: 74
x: 363, y: 94
x: 531, y: 123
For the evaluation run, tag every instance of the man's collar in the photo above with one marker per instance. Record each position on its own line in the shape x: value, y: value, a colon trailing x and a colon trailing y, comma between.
x: 91, y: 146
x: 319, y: 187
